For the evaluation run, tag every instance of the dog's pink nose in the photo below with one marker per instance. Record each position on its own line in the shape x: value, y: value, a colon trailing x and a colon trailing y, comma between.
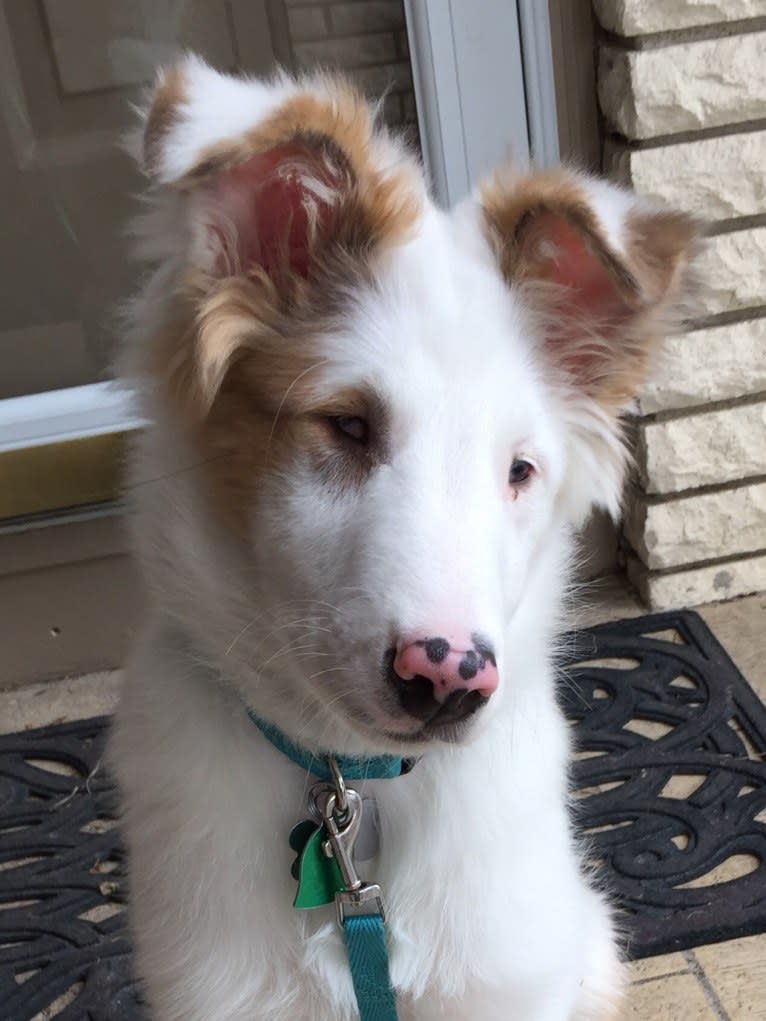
x: 450, y: 665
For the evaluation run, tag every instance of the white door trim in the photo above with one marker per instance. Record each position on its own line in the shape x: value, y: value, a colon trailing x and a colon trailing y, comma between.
x: 56, y: 416
x: 539, y: 82
x: 484, y: 88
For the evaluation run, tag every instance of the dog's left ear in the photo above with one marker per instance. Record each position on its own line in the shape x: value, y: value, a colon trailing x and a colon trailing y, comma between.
x: 604, y: 275
x: 607, y: 273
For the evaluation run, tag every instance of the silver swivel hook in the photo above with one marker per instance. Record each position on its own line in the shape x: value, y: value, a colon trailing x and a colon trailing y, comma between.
x: 340, y: 809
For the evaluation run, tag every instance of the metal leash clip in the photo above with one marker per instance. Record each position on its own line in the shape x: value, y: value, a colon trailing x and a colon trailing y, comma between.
x: 341, y: 811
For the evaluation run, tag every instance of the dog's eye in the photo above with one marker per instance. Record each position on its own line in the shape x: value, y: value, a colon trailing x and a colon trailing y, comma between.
x: 520, y: 472
x: 354, y: 427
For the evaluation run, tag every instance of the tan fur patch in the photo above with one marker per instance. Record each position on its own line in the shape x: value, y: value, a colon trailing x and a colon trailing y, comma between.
x: 267, y: 416
x: 661, y: 247
x: 163, y: 115
x: 388, y: 201
x: 510, y: 205
x: 241, y: 440
x: 610, y: 360
x: 214, y: 323
x: 242, y: 370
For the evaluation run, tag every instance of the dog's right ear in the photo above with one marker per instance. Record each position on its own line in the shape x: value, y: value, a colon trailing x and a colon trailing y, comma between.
x: 272, y: 173
x: 266, y: 181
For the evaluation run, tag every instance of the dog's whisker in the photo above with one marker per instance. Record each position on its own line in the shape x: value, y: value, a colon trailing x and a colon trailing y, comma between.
x: 302, y: 622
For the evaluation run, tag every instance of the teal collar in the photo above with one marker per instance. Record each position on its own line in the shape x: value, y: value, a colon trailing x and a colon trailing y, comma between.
x: 352, y: 767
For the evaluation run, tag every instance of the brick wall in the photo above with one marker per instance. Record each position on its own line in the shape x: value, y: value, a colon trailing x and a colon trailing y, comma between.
x: 367, y: 39
x: 682, y: 88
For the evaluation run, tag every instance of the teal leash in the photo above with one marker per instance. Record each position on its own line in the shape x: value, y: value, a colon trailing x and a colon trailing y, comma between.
x: 359, y: 905
x: 368, y: 959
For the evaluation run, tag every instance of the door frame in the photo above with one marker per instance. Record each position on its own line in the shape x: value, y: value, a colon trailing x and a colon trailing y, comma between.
x: 459, y: 65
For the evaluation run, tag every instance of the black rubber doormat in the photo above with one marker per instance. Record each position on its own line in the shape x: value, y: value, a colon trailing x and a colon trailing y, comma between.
x: 62, y: 922
x: 670, y: 784
x: 670, y: 779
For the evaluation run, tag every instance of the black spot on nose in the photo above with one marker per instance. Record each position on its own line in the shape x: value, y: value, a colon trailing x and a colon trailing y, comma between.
x: 469, y: 665
x: 437, y: 649
x: 484, y: 648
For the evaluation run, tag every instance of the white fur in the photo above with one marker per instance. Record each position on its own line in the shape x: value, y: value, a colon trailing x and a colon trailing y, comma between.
x: 612, y: 206
x: 216, y: 108
x: 490, y: 914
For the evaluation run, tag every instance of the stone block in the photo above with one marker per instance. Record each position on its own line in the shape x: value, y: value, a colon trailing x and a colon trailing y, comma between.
x: 695, y: 585
x: 703, y: 449
x: 696, y: 528
x: 638, y: 17
x: 732, y: 268
x: 714, y: 178
x: 702, y: 366
x: 685, y: 87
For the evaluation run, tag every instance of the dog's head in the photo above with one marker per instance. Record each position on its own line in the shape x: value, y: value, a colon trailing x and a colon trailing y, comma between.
x: 377, y: 422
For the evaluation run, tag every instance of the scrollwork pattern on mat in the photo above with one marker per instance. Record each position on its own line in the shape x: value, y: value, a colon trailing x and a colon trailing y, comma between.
x: 63, y: 947
x: 670, y: 779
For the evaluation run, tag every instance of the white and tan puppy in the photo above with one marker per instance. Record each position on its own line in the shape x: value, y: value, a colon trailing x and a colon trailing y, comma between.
x: 376, y: 426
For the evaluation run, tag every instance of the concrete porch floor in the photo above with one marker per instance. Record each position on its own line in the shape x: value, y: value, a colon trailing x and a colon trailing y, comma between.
x: 721, y: 982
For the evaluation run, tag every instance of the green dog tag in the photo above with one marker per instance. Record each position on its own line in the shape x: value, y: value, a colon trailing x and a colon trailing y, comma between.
x: 319, y: 877
x: 299, y: 836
